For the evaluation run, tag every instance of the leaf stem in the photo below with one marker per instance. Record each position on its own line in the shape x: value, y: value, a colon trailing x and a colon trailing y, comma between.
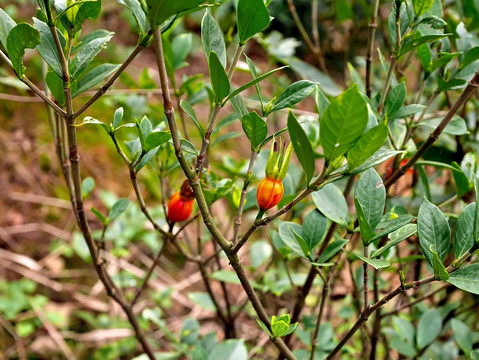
x: 371, y: 35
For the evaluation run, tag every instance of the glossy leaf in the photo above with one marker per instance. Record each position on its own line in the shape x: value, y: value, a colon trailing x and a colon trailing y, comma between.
x: 118, y: 208
x: 47, y: 48
x: 231, y: 349
x: 375, y: 263
x: 440, y: 271
x: 395, y: 238
x: 314, y: 228
x: 371, y: 194
x: 411, y: 41
x: 138, y: 13
x: 428, y: 328
x: 433, y: 229
x: 395, y: 99
x: 421, y: 6
x: 302, y: 146
x: 55, y: 84
x: 466, y: 278
x: 370, y: 142
x: 93, y: 77
x: 92, y: 121
x: 212, y: 38
x: 343, y: 123
x: 87, y: 53
x: 6, y: 24
x: 251, y: 83
x: 332, y: 204
x: 463, y: 335
x: 259, y: 253
x: 88, y: 10
x: 117, y: 117
x: 255, y: 128
x: 365, y: 229
x: 22, y: 36
x: 287, y: 232
x: 160, y: 10
x: 188, y: 109
x: 293, y: 94
x: 219, y: 79
x: 331, y: 250
x: 377, y: 158
x: 252, y: 17
x: 464, y: 233
x: 394, y: 223
x: 156, y: 138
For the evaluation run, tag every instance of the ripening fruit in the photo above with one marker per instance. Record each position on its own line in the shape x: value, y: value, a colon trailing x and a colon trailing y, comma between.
x: 270, y: 189
x: 269, y: 193
x: 181, y: 204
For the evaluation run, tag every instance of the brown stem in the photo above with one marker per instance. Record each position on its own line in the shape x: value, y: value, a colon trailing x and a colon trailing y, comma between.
x: 369, y: 57
x: 246, y: 182
x: 202, y: 204
x: 110, y: 81
x: 377, y: 319
x: 144, y: 284
x: 471, y: 87
x: 324, y: 298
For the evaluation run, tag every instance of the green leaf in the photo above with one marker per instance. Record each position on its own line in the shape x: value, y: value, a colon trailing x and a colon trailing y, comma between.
x: 428, y: 328
x: 377, y: 158
x: 332, y: 204
x: 279, y: 328
x: 433, y: 229
x: 331, y: 250
x: 466, y: 278
x: 460, y: 179
x: 375, y: 263
x: 212, y: 38
x: 392, y: 224
x: 188, y: 109
x: 470, y: 56
x: 92, y: 121
x: 395, y: 238
x: 188, y: 147
x: 117, y: 209
x: 99, y: 215
x: 440, y: 271
x: 406, y: 111
x: 22, y: 36
x: 156, y: 138
x: 293, y: 94
x: 405, y: 329
x: 302, y: 146
x: 395, y: 99
x: 47, y: 48
x: 343, y: 122
x: 371, y: 194
x: 421, y: 6
x: 365, y: 229
x: 259, y: 253
x: 138, y: 13
x: 160, y: 10
x: 255, y: 128
x: 55, y: 84
x: 251, y: 83
x: 476, y: 216
x: 370, y: 142
x: 306, y: 253
x: 463, y: 335
x: 322, y: 101
x: 457, y: 125
x: 219, y: 79
x: 203, y: 300
x: 464, y: 232
x: 87, y: 186
x: 117, y: 117
x: 287, y: 231
x: 314, y: 228
x: 252, y: 17
x: 89, y: 10
x: 181, y: 45
x: 87, y: 53
x: 93, y: 77
x: 442, y: 60
x: 6, y: 24
x: 238, y: 106
x: 229, y: 350
x: 264, y: 327
x: 403, y: 347
x: 254, y: 74
x: 413, y: 40
x: 226, y: 276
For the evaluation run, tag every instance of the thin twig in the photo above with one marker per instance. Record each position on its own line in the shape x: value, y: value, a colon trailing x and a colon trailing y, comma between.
x: 369, y: 57
x: 22, y: 354
x: 202, y: 204
x: 471, y: 87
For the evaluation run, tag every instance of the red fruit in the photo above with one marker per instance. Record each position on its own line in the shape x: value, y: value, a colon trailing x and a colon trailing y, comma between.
x: 181, y: 204
x: 269, y: 193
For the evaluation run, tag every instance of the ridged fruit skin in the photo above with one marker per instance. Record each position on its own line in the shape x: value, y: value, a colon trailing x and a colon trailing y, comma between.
x: 269, y: 193
x: 179, y: 207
